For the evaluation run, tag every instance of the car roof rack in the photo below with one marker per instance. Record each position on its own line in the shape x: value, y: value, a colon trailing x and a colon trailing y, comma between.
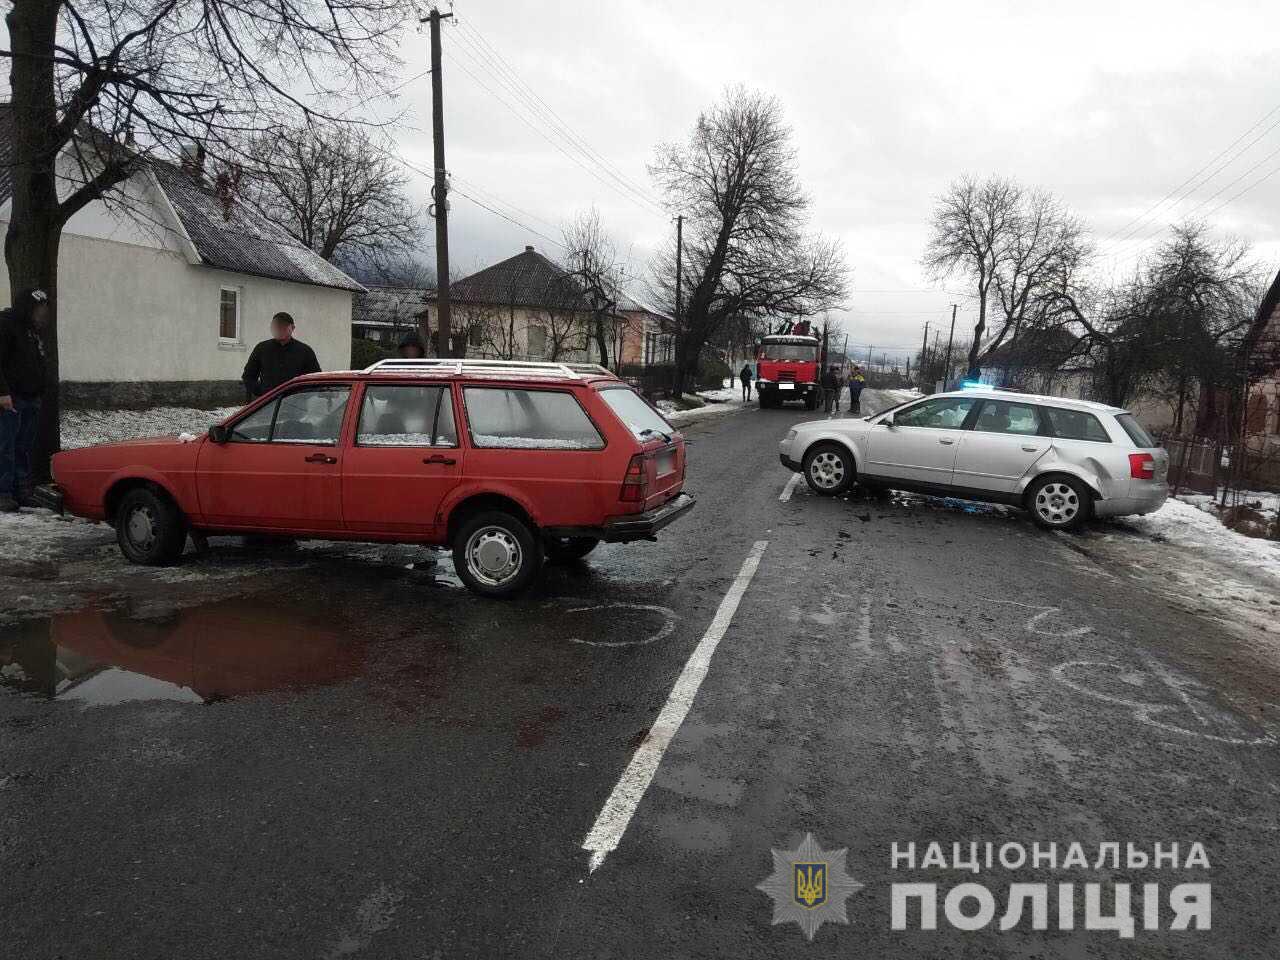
x: 574, y: 371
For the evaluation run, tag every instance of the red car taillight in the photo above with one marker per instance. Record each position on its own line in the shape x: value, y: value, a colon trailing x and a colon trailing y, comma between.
x: 1142, y: 466
x: 635, y: 483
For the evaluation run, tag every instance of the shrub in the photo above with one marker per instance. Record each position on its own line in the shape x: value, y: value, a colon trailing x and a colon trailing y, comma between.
x: 712, y: 373
x: 365, y: 352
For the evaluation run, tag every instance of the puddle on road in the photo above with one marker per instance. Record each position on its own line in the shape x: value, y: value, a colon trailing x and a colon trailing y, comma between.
x: 195, y: 655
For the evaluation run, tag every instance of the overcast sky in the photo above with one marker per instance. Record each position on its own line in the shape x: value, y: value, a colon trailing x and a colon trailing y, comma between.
x: 1110, y: 105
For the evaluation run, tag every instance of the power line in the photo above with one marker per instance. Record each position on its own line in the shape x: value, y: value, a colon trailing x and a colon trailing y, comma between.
x: 542, y: 108
x: 546, y: 127
x: 1129, y: 252
x: 456, y: 61
x: 1266, y: 176
x: 509, y: 219
x: 1118, y: 237
x: 494, y: 198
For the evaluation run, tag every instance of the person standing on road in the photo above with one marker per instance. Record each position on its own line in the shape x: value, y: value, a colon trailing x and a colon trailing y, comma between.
x: 856, y: 382
x: 831, y: 389
x: 22, y: 383
x: 745, y: 376
x: 279, y: 359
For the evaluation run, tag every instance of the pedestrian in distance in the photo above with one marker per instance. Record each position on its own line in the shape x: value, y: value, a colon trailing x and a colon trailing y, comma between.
x: 831, y: 389
x: 411, y: 347
x: 22, y: 384
x: 745, y: 376
x: 857, y: 381
x: 279, y: 359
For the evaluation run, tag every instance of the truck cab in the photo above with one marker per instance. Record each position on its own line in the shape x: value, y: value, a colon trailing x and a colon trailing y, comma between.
x: 787, y: 369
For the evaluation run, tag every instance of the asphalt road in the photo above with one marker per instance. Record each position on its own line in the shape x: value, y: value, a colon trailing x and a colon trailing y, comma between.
x: 385, y: 766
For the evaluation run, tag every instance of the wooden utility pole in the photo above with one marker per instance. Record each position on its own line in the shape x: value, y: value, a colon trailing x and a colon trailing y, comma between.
x: 440, y: 190
x: 924, y: 358
x: 679, y: 268
x: 946, y: 369
x: 677, y: 377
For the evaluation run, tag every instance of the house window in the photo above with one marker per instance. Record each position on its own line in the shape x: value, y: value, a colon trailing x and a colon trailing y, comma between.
x: 537, y: 340
x: 229, y: 314
x: 475, y: 336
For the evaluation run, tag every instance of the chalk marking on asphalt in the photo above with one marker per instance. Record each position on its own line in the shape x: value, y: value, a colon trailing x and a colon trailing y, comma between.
x: 617, y: 811
x: 1147, y: 712
x: 1034, y: 625
x: 790, y: 488
x: 668, y: 624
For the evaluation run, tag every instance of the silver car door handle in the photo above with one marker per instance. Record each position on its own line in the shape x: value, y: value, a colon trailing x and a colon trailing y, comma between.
x: 945, y: 440
x: 1031, y: 449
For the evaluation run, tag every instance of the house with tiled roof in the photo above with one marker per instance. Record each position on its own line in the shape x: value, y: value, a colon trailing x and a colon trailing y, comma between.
x: 385, y: 315
x: 164, y: 289
x: 528, y: 307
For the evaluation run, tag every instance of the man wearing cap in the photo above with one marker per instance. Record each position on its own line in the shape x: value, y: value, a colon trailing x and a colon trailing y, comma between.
x: 22, y: 383
x: 279, y: 359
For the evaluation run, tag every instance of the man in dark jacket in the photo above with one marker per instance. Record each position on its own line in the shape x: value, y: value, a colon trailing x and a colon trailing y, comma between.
x: 279, y: 359
x: 745, y: 376
x: 22, y: 383
x: 831, y: 389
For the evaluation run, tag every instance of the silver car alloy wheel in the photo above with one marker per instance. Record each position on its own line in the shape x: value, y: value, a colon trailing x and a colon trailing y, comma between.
x: 494, y: 556
x: 141, y: 527
x: 1057, y: 503
x: 827, y: 470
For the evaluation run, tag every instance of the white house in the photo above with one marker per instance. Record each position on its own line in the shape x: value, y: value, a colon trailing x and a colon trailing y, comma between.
x: 163, y: 292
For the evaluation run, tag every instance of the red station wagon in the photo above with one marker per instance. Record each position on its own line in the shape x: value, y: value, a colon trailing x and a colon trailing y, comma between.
x: 503, y: 461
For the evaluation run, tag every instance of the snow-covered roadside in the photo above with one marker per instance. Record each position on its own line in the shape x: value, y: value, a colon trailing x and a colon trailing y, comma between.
x: 40, y: 536
x: 728, y: 399
x: 81, y: 428
x: 1185, y: 525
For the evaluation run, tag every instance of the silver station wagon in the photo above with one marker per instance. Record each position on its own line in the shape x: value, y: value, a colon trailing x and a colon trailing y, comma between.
x: 1062, y: 460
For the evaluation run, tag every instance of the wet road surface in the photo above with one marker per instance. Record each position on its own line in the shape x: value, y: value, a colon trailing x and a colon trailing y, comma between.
x: 335, y: 751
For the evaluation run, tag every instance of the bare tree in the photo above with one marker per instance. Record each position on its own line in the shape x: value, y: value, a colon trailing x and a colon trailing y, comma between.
x: 746, y: 253
x: 592, y: 259
x: 1185, y: 317
x: 973, y: 224
x: 336, y: 190
x: 116, y: 83
x: 564, y: 312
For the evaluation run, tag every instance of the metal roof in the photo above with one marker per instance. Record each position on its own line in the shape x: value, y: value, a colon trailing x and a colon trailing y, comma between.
x: 230, y: 235
x: 526, y: 280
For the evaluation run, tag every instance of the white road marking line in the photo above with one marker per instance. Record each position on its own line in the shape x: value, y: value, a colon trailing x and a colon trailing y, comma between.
x: 790, y: 488
x: 617, y: 811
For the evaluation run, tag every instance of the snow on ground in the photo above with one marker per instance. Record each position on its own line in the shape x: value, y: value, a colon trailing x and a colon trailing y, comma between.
x: 1185, y: 525
x: 40, y: 536
x: 81, y: 428
x: 728, y: 399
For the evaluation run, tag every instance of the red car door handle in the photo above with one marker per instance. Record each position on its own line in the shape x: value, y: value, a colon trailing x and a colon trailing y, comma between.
x: 321, y: 458
x: 439, y: 458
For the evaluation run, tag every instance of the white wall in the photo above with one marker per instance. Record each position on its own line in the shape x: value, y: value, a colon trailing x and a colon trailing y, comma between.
x: 129, y: 313
x: 132, y: 308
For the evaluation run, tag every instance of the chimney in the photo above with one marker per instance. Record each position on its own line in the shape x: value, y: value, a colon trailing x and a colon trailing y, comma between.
x: 528, y: 248
x: 193, y: 161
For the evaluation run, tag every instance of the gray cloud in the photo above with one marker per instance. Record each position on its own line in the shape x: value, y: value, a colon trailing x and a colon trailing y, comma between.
x: 1108, y: 105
